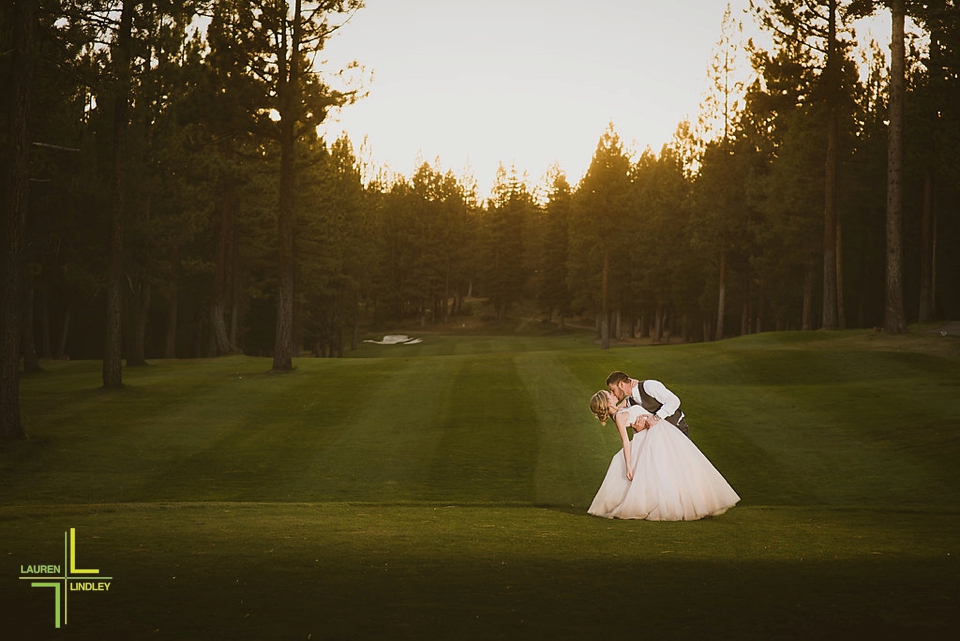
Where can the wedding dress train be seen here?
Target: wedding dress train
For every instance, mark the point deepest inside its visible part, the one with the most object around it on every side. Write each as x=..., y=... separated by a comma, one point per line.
x=672, y=480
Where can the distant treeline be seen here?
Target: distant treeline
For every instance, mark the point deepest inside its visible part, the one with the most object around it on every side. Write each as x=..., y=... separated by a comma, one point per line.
x=176, y=182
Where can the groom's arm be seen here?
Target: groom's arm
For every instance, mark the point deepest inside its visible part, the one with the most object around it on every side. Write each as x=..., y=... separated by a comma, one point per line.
x=670, y=401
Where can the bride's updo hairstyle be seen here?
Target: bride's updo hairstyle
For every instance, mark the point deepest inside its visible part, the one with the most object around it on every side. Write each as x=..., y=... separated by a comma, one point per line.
x=599, y=406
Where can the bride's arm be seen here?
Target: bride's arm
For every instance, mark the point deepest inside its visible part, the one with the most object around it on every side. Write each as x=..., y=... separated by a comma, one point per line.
x=644, y=421
x=621, y=420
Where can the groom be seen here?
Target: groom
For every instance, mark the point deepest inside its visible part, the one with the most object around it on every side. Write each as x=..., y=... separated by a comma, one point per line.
x=652, y=395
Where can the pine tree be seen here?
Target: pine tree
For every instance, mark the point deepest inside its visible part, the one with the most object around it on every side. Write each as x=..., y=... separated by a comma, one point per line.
x=819, y=26
x=15, y=209
x=893, y=321
x=504, y=226
x=602, y=241
x=553, y=293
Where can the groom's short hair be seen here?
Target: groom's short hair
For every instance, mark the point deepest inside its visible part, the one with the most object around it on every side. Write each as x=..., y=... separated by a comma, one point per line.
x=617, y=377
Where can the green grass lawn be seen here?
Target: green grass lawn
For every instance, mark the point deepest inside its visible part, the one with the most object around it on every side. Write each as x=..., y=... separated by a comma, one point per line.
x=439, y=490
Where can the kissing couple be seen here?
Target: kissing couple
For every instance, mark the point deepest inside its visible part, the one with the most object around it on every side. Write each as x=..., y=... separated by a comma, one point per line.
x=659, y=474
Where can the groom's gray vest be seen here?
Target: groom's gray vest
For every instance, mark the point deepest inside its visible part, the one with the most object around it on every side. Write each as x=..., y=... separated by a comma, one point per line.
x=652, y=405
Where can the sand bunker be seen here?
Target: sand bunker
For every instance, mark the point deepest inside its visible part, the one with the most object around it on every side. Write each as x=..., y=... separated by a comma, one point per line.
x=396, y=339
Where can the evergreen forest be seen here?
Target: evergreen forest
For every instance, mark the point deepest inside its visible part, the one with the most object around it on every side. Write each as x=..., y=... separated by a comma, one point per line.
x=165, y=192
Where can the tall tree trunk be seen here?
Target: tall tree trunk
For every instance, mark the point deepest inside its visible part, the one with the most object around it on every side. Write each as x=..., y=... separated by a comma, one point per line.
x=235, y=289
x=61, y=352
x=722, y=296
x=893, y=321
x=11, y=305
x=745, y=309
x=933, y=268
x=141, y=312
x=806, y=322
x=760, y=310
x=170, y=346
x=218, y=299
x=928, y=242
x=604, y=311
x=925, y=314
x=282, y=352
x=841, y=313
x=234, y=324
x=832, y=72
x=446, y=290
x=113, y=344
x=28, y=343
x=289, y=106
x=658, y=323
x=46, y=351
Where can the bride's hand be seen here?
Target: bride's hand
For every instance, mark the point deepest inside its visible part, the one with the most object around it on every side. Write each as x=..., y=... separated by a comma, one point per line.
x=629, y=475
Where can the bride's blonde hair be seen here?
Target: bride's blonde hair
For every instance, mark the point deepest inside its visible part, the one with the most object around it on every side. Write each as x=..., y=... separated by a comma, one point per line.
x=600, y=407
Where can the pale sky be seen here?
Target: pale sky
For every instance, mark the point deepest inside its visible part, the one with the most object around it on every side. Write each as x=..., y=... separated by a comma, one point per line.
x=466, y=85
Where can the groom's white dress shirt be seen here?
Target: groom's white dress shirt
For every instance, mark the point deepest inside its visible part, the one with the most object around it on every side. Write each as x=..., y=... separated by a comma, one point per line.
x=656, y=389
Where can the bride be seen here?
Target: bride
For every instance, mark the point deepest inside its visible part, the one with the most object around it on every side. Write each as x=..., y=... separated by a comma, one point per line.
x=660, y=475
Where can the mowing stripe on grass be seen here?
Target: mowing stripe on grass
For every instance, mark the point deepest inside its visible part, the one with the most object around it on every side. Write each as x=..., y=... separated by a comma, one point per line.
x=839, y=437
x=417, y=471
x=793, y=426
x=489, y=437
x=574, y=449
x=383, y=452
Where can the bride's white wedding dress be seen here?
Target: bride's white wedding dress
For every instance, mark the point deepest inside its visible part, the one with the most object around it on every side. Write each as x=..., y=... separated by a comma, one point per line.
x=672, y=479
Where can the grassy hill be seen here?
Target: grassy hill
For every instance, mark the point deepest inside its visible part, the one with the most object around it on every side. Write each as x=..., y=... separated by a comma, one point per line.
x=439, y=490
